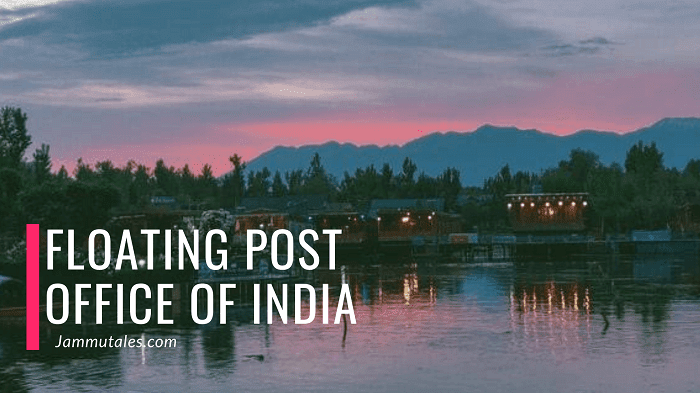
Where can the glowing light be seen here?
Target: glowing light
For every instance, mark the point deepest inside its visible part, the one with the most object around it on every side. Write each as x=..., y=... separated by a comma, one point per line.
x=379, y=218
x=563, y=304
x=405, y=219
x=585, y=203
x=561, y=203
x=406, y=290
x=532, y=204
x=510, y=205
x=522, y=205
x=547, y=204
x=573, y=203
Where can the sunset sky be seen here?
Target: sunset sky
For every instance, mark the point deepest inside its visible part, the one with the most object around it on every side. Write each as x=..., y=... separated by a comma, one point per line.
x=196, y=81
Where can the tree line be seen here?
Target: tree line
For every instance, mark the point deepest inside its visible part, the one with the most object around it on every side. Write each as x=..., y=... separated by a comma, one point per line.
x=641, y=194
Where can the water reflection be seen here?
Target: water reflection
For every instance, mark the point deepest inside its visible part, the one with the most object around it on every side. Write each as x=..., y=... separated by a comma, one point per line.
x=422, y=325
x=218, y=347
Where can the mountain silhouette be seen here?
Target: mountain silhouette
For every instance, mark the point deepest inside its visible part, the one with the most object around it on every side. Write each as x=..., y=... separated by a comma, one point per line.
x=481, y=153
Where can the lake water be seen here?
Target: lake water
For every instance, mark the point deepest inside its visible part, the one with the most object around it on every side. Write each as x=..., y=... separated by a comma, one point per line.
x=608, y=325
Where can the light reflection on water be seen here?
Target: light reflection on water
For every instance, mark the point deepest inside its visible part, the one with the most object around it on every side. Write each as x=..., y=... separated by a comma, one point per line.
x=422, y=326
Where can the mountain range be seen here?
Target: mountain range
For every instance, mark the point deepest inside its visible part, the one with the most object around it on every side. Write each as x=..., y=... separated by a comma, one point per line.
x=479, y=154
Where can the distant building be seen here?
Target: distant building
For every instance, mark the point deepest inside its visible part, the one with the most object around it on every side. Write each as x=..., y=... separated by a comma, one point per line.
x=295, y=205
x=465, y=197
x=268, y=221
x=558, y=212
x=355, y=229
x=433, y=205
x=405, y=219
x=164, y=201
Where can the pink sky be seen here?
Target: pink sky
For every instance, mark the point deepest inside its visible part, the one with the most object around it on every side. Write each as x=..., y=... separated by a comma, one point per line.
x=567, y=104
x=242, y=81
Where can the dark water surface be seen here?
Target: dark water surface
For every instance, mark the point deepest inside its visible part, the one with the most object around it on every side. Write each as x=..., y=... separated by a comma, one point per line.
x=622, y=325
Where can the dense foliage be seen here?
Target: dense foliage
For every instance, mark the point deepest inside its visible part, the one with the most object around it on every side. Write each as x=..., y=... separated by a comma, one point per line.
x=642, y=194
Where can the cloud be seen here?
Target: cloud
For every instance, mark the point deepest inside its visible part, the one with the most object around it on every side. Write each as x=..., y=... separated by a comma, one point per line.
x=364, y=55
x=120, y=95
x=15, y=5
x=116, y=28
x=589, y=46
x=159, y=70
x=6, y=20
x=596, y=41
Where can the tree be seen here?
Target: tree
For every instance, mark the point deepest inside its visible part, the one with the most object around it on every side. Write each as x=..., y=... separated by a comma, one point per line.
x=234, y=182
x=386, y=181
x=83, y=171
x=62, y=173
x=259, y=183
x=644, y=159
x=89, y=205
x=187, y=181
x=580, y=167
x=278, y=187
x=166, y=178
x=693, y=168
x=295, y=180
x=42, y=163
x=449, y=186
x=139, y=188
x=10, y=184
x=501, y=184
x=14, y=139
x=406, y=180
x=317, y=182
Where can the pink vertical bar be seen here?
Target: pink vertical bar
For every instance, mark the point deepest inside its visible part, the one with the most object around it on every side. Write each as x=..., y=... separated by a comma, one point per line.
x=32, y=287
